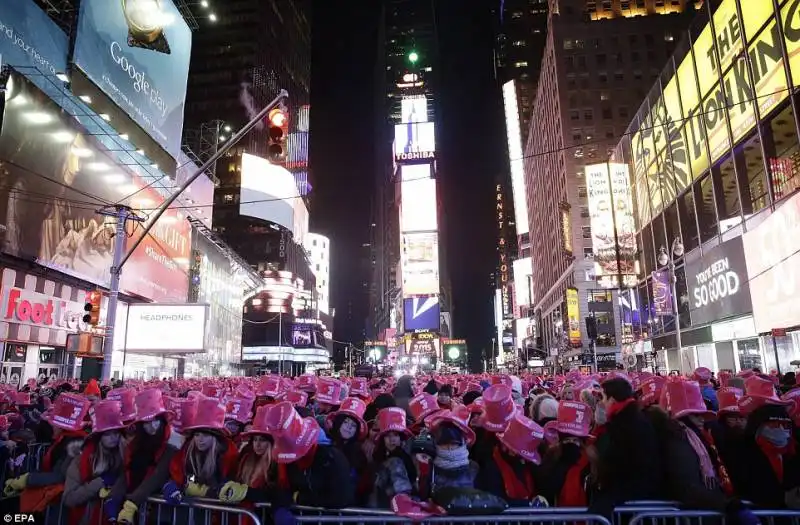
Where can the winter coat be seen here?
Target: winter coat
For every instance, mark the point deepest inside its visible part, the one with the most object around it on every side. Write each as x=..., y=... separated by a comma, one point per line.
x=731, y=448
x=391, y=479
x=629, y=464
x=710, y=396
x=557, y=468
x=433, y=478
x=82, y=489
x=761, y=486
x=157, y=472
x=321, y=480
x=684, y=478
x=491, y=479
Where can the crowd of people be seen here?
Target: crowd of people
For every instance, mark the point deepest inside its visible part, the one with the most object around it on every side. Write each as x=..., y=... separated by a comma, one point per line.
x=419, y=446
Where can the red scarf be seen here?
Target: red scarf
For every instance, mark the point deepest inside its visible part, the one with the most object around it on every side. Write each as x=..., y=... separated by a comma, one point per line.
x=617, y=407
x=131, y=450
x=86, y=471
x=722, y=471
x=775, y=455
x=573, y=493
x=515, y=488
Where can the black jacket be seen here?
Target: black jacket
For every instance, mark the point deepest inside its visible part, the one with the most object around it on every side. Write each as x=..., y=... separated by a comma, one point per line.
x=491, y=480
x=761, y=486
x=630, y=466
x=327, y=483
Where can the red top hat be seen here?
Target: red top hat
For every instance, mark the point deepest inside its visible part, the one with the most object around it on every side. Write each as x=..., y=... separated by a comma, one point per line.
x=476, y=406
x=68, y=412
x=210, y=390
x=651, y=390
x=422, y=405
x=107, y=416
x=683, y=398
x=359, y=387
x=354, y=408
x=458, y=416
x=724, y=377
x=4, y=424
x=22, y=399
x=239, y=409
x=150, y=404
x=392, y=419
x=498, y=408
x=269, y=386
x=127, y=399
x=728, y=398
x=501, y=380
x=523, y=436
x=295, y=397
x=759, y=392
x=210, y=416
x=259, y=426
x=185, y=410
x=416, y=511
x=551, y=432
x=307, y=383
x=574, y=418
x=329, y=391
x=294, y=435
x=702, y=375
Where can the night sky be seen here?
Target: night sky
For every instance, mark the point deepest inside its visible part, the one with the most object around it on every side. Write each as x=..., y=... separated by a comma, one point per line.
x=471, y=154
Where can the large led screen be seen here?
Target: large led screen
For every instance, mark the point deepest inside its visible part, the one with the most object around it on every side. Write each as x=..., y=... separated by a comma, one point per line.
x=269, y=192
x=420, y=264
x=514, y=138
x=29, y=38
x=418, y=208
x=138, y=52
x=415, y=171
x=421, y=313
x=414, y=109
x=414, y=141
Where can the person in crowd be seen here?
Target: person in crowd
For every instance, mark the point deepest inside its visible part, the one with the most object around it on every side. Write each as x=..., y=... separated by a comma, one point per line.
x=497, y=409
x=147, y=457
x=395, y=472
x=347, y=430
x=431, y=387
x=205, y=465
x=239, y=412
x=309, y=466
x=628, y=464
x=402, y=394
x=451, y=466
x=703, y=376
x=566, y=471
x=445, y=397
x=543, y=409
x=94, y=472
x=92, y=391
x=256, y=465
x=728, y=434
x=328, y=398
x=380, y=402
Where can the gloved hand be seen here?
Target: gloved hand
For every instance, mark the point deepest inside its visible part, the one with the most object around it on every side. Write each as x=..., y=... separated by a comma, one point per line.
x=111, y=508
x=283, y=516
x=195, y=490
x=232, y=492
x=171, y=492
x=104, y=493
x=109, y=479
x=126, y=515
x=15, y=485
x=540, y=502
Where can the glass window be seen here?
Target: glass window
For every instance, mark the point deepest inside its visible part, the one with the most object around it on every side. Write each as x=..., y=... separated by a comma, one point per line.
x=683, y=296
x=752, y=180
x=587, y=232
x=588, y=114
x=659, y=237
x=749, y=354
x=691, y=239
x=574, y=115
x=728, y=204
x=600, y=296
x=706, y=215
x=783, y=153
x=647, y=249
x=671, y=222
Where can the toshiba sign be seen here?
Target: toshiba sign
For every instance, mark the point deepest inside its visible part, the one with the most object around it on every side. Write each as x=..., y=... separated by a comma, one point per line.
x=166, y=328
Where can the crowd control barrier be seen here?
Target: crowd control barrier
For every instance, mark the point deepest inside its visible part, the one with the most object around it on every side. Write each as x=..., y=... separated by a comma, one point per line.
x=701, y=517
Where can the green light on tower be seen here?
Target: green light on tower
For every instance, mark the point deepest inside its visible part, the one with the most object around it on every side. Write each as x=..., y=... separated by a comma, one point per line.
x=413, y=57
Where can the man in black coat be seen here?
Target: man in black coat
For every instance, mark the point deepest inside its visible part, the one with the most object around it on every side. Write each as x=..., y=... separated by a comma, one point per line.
x=629, y=463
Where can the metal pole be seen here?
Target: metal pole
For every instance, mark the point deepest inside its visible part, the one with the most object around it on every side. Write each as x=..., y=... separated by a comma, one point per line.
x=775, y=350
x=121, y=257
x=675, y=297
x=280, y=343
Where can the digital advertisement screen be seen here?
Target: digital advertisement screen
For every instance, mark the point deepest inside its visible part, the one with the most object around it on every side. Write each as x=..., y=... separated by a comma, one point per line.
x=414, y=109
x=421, y=313
x=414, y=141
x=302, y=337
x=420, y=264
x=418, y=208
x=514, y=138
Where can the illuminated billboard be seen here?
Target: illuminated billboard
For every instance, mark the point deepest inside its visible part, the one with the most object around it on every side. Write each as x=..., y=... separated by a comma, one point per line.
x=269, y=192
x=414, y=141
x=523, y=270
x=679, y=135
x=573, y=317
x=418, y=206
x=414, y=109
x=420, y=264
x=612, y=222
x=514, y=138
x=421, y=313
x=415, y=171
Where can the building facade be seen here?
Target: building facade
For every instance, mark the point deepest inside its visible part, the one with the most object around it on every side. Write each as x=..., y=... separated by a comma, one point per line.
x=712, y=154
x=589, y=74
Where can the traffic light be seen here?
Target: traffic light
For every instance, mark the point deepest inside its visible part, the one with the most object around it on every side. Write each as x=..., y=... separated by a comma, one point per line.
x=278, y=122
x=92, y=307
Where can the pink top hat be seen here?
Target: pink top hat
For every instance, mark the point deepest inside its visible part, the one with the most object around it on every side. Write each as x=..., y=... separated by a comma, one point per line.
x=210, y=416
x=22, y=399
x=239, y=409
x=359, y=387
x=107, y=416
x=574, y=418
x=702, y=375
x=295, y=397
x=683, y=398
x=458, y=416
x=354, y=408
x=259, y=426
x=269, y=386
x=392, y=419
x=329, y=391
x=759, y=392
x=127, y=399
x=422, y=405
x=523, y=436
x=185, y=410
x=294, y=435
x=728, y=398
x=306, y=383
x=651, y=390
x=68, y=412
x=551, y=432
x=498, y=408
x=150, y=404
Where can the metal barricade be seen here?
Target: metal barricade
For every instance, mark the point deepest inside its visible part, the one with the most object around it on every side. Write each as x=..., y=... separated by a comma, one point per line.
x=194, y=512
x=704, y=517
x=622, y=514
x=22, y=459
x=535, y=517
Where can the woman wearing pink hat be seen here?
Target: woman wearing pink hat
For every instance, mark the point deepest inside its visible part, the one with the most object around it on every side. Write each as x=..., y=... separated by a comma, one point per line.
x=347, y=430
x=147, y=456
x=92, y=474
x=395, y=472
x=256, y=465
x=452, y=437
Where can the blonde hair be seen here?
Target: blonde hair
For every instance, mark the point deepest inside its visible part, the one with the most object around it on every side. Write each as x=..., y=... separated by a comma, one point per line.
x=106, y=460
x=203, y=465
x=253, y=468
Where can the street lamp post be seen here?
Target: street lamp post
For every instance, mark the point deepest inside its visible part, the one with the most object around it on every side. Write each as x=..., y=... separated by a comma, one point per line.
x=668, y=259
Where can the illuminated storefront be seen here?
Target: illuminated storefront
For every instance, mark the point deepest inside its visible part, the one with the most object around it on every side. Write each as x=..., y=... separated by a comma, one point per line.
x=711, y=150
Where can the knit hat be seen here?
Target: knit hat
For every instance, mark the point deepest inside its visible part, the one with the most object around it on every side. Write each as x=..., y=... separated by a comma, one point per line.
x=92, y=388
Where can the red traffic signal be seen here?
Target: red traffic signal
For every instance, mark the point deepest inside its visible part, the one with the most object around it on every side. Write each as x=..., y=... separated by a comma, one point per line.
x=92, y=307
x=278, y=122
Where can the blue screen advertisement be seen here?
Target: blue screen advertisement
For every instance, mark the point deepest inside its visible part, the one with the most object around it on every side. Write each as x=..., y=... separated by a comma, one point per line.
x=137, y=52
x=28, y=38
x=421, y=313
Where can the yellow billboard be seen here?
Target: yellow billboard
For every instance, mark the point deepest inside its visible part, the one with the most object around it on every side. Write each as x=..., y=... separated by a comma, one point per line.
x=573, y=317
x=699, y=116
